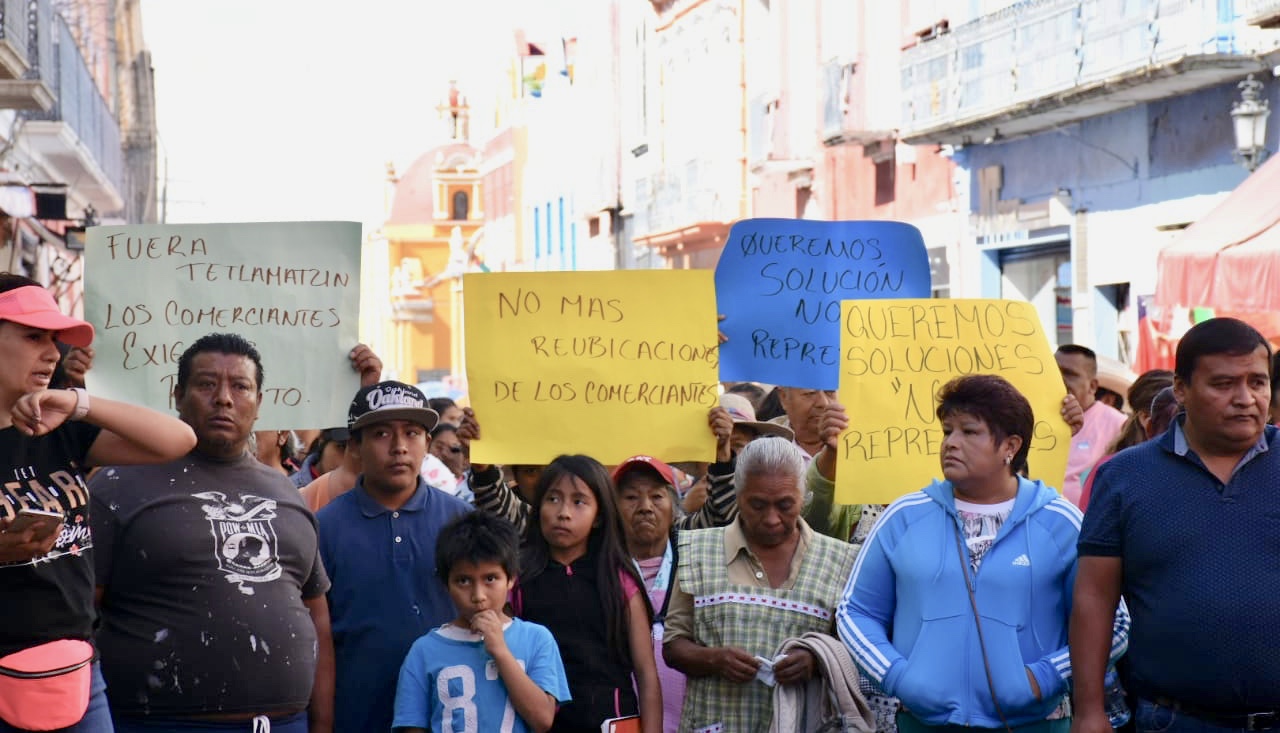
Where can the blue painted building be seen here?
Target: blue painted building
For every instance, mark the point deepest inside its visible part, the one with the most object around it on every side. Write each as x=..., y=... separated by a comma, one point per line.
x=1086, y=133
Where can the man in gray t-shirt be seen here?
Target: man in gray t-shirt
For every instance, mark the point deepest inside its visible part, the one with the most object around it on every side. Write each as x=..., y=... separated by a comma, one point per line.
x=208, y=567
x=210, y=582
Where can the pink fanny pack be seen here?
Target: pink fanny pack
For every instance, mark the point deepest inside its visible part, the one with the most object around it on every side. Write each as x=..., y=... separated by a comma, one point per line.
x=46, y=687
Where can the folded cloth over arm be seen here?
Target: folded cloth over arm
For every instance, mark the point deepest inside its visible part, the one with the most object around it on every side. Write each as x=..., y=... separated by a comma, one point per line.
x=830, y=700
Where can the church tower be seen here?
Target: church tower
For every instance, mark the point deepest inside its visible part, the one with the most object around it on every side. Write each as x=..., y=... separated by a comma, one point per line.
x=432, y=232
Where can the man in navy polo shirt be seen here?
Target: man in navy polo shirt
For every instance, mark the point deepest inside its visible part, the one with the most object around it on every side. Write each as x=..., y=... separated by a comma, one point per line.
x=378, y=545
x=1187, y=527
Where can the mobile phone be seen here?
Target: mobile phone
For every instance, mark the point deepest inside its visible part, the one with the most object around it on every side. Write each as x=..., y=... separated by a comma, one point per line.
x=45, y=521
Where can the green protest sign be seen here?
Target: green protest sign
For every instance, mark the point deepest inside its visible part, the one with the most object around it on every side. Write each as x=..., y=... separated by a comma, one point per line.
x=293, y=289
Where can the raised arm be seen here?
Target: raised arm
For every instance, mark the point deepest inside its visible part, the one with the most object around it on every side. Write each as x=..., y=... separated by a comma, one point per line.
x=130, y=433
x=77, y=362
x=492, y=493
x=534, y=705
x=822, y=513
x=367, y=363
x=721, y=505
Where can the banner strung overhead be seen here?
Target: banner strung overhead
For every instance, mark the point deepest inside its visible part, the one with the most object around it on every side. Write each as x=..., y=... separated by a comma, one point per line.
x=609, y=364
x=897, y=354
x=293, y=289
x=779, y=284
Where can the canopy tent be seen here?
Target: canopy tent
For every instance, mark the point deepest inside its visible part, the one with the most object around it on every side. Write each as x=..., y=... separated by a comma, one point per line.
x=1227, y=262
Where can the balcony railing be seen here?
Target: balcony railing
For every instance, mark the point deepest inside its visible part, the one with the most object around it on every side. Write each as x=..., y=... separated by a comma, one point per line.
x=681, y=196
x=78, y=103
x=1016, y=62
x=25, y=48
x=13, y=38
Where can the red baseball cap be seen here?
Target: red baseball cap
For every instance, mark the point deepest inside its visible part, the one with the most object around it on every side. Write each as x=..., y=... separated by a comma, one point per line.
x=33, y=306
x=637, y=462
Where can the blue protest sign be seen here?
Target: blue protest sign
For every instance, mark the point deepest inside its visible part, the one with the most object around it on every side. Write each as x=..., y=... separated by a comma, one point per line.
x=779, y=283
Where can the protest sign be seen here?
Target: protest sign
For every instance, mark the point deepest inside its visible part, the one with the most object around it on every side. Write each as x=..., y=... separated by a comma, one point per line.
x=610, y=364
x=897, y=354
x=293, y=289
x=779, y=283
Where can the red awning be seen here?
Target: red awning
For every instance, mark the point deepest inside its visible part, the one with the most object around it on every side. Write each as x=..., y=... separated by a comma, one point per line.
x=1230, y=259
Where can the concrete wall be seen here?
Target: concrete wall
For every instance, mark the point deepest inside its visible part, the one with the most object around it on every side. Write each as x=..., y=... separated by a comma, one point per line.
x=1128, y=180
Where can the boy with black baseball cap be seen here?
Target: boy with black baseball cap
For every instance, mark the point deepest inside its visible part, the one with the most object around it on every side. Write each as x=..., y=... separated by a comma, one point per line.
x=378, y=543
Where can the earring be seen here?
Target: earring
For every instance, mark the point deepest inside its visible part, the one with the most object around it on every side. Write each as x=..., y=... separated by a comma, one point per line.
x=1008, y=460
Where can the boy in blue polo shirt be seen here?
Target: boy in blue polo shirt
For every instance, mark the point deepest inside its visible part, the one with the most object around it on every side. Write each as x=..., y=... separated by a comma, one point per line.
x=483, y=670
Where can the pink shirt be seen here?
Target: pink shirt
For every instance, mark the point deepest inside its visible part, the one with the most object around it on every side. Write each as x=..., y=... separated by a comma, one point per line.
x=1102, y=424
x=670, y=680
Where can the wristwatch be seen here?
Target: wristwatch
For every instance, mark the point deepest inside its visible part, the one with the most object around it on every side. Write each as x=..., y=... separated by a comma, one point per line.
x=82, y=403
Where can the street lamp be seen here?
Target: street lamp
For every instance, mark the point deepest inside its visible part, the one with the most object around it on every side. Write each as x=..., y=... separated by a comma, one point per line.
x=1249, y=116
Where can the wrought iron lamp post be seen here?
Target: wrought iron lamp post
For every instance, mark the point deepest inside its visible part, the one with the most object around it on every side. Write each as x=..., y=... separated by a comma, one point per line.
x=1249, y=117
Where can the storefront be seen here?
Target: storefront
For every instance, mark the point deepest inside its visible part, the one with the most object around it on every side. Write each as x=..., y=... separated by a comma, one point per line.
x=1034, y=266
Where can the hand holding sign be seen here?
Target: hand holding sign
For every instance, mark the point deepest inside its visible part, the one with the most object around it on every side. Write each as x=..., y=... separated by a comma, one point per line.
x=779, y=284
x=76, y=363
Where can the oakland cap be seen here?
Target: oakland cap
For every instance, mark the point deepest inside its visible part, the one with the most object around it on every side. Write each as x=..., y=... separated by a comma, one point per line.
x=390, y=400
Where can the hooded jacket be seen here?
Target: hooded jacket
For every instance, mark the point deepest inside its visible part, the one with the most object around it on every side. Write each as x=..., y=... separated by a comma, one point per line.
x=908, y=622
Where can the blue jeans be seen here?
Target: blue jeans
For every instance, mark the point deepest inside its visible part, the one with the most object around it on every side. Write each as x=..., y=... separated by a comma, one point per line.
x=97, y=718
x=291, y=724
x=1149, y=717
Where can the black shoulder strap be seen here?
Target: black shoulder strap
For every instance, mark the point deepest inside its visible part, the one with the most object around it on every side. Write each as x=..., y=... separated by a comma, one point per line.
x=660, y=614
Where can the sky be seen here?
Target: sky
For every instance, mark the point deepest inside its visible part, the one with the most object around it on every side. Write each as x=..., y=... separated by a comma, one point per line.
x=289, y=110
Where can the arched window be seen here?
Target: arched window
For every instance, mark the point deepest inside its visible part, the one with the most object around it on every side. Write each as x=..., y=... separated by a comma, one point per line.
x=461, y=206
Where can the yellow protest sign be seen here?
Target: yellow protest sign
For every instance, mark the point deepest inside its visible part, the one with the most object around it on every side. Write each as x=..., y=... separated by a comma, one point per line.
x=610, y=364
x=896, y=354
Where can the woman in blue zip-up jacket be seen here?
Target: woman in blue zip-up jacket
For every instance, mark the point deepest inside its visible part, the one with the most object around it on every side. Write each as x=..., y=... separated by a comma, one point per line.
x=959, y=602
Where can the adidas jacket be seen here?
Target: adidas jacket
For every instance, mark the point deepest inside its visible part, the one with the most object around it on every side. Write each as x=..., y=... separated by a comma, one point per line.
x=907, y=620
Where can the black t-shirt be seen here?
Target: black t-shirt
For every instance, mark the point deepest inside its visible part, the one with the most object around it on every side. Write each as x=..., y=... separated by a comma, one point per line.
x=51, y=597
x=205, y=564
x=566, y=599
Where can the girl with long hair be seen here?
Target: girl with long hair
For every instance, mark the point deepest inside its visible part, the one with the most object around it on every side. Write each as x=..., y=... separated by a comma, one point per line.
x=577, y=580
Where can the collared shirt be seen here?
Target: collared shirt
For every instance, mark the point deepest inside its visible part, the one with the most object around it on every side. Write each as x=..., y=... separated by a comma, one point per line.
x=743, y=568
x=1181, y=447
x=385, y=593
x=1102, y=423
x=1194, y=547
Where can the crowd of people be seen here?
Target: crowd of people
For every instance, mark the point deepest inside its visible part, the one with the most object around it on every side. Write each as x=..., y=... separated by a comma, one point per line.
x=190, y=573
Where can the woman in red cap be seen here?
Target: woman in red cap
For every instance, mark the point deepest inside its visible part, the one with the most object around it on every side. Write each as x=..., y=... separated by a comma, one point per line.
x=48, y=438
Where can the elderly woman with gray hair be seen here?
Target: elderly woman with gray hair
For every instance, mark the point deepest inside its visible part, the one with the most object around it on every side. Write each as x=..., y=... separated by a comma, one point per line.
x=650, y=506
x=741, y=590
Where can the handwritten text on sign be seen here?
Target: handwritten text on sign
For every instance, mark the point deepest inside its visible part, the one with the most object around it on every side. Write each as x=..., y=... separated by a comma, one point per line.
x=609, y=364
x=899, y=353
x=779, y=284
x=293, y=289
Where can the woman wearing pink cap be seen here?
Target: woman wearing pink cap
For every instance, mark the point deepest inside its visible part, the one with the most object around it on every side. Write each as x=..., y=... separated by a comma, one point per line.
x=48, y=437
